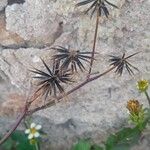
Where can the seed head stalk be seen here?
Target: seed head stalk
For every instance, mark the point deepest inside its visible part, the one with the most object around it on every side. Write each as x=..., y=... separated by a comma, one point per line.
x=94, y=43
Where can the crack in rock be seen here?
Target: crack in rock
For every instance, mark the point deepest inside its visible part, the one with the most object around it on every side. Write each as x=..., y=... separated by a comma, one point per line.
x=11, y=2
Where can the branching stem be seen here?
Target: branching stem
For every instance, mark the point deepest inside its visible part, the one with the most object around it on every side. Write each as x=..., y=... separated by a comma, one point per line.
x=18, y=121
x=20, y=118
x=26, y=110
x=51, y=103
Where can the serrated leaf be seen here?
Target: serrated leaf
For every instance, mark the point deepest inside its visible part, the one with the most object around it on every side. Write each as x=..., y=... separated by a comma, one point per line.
x=123, y=139
x=146, y=119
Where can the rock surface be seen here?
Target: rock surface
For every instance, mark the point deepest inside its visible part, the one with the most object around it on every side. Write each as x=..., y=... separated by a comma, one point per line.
x=100, y=106
x=3, y=4
x=7, y=38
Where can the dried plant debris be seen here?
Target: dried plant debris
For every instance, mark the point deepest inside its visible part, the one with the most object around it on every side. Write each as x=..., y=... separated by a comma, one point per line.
x=97, y=5
x=122, y=62
x=50, y=82
x=71, y=59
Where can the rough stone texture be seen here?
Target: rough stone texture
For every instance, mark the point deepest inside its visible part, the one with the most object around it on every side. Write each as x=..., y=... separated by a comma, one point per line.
x=34, y=21
x=3, y=3
x=7, y=38
x=99, y=107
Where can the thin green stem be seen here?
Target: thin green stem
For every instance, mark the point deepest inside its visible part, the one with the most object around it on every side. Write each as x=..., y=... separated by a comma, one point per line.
x=37, y=146
x=147, y=96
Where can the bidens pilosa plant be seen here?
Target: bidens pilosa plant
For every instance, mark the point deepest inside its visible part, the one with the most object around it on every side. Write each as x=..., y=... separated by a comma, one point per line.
x=126, y=137
x=53, y=80
x=136, y=112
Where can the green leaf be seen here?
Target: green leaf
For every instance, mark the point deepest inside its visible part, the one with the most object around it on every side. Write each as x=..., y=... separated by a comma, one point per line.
x=82, y=145
x=147, y=114
x=146, y=119
x=123, y=139
x=17, y=141
x=7, y=145
x=21, y=141
x=96, y=147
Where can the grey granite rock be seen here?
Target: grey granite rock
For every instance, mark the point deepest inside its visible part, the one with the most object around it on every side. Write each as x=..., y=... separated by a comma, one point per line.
x=9, y=39
x=3, y=4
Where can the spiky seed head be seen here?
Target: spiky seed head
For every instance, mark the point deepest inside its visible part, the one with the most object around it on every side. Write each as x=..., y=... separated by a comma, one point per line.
x=50, y=81
x=97, y=5
x=121, y=63
x=71, y=59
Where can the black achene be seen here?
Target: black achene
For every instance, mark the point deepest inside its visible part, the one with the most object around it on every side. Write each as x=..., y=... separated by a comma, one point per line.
x=50, y=82
x=71, y=59
x=122, y=62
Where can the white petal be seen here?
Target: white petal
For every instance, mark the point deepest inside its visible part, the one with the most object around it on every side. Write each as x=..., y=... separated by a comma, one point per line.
x=38, y=127
x=30, y=136
x=32, y=125
x=27, y=131
x=36, y=134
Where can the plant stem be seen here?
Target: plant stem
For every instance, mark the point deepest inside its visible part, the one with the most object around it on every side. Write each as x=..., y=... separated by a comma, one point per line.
x=8, y=134
x=37, y=146
x=52, y=102
x=94, y=43
x=20, y=118
x=147, y=96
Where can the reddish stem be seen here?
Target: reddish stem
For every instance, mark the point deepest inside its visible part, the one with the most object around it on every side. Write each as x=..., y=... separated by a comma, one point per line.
x=94, y=44
x=18, y=121
x=51, y=103
x=26, y=112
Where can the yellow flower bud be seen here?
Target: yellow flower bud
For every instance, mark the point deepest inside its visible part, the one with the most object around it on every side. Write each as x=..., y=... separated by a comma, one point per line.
x=142, y=85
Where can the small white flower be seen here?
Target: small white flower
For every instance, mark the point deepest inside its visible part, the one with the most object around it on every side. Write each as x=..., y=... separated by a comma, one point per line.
x=33, y=131
x=32, y=125
x=27, y=131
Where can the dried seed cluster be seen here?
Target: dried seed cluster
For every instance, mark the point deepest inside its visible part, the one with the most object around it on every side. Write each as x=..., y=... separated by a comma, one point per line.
x=71, y=59
x=51, y=81
x=122, y=62
x=97, y=5
x=68, y=61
